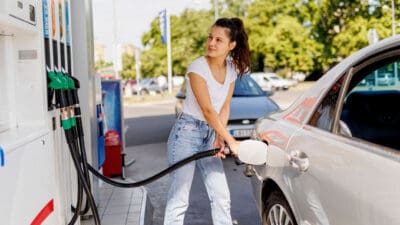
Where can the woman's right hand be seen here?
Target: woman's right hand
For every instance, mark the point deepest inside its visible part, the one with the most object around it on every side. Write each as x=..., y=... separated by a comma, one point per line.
x=233, y=147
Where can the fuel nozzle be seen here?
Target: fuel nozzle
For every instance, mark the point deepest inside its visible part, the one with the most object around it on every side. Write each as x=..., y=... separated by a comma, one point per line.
x=76, y=106
x=55, y=84
x=61, y=84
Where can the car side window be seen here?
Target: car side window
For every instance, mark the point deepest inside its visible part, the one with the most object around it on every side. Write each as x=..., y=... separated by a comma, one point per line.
x=324, y=115
x=371, y=107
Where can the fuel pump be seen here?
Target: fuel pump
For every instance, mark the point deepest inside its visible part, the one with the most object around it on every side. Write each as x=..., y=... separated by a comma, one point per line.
x=65, y=86
x=41, y=117
x=27, y=174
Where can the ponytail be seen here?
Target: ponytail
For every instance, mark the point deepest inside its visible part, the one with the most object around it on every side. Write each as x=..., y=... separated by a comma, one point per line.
x=241, y=53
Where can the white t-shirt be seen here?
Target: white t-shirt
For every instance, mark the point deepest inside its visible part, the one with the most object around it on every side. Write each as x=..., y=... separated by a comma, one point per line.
x=217, y=91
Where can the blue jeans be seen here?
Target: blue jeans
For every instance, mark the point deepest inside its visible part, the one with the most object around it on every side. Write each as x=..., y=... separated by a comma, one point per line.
x=190, y=136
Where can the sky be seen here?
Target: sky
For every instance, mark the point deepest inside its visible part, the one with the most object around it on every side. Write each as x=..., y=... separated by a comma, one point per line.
x=133, y=18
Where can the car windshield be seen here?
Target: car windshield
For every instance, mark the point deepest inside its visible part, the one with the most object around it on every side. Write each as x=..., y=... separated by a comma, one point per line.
x=247, y=87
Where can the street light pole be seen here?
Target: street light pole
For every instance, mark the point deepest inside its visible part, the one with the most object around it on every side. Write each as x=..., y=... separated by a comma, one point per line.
x=115, y=42
x=395, y=66
x=169, y=57
x=137, y=64
x=216, y=10
x=393, y=20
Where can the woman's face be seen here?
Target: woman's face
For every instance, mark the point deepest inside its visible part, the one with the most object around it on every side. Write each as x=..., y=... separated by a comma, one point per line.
x=218, y=42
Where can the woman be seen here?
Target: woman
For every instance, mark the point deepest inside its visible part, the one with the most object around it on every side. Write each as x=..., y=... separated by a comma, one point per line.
x=202, y=123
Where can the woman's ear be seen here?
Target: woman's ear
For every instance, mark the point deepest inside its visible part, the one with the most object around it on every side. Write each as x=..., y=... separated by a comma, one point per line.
x=232, y=45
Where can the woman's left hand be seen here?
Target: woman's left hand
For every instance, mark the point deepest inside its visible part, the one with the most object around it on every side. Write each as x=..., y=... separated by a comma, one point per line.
x=219, y=144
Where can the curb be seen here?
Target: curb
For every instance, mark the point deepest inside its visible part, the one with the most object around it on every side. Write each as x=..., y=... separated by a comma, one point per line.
x=146, y=212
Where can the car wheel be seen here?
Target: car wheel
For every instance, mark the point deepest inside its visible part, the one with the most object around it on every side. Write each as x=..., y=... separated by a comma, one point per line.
x=277, y=211
x=144, y=92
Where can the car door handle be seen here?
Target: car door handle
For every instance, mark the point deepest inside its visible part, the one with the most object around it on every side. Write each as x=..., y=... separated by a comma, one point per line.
x=299, y=160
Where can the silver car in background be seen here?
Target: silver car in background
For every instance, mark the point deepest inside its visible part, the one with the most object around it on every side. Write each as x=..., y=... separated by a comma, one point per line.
x=334, y=155
x=147, y=86
x=271, y=81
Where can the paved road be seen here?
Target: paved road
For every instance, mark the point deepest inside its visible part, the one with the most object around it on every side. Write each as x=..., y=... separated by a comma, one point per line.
x=151, y=159
x=148, y=128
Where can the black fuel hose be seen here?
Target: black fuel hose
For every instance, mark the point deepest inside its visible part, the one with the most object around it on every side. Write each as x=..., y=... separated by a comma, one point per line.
x=175, y=166
x=79, y=200
x=85, y=172
x=73, y=147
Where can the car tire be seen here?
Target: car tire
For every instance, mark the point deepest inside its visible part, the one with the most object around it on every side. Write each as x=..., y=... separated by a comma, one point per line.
x=144, y=92
x=277, y=210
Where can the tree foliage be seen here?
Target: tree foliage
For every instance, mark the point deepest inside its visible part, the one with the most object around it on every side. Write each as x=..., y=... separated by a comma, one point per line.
x=284, y=35
x=128, y=66
x=277, y=32
x=101, y=64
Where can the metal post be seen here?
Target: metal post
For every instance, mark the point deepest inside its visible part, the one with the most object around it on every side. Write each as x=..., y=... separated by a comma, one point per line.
x=137, y=64
x=169, y=54
x=115, y=45
x=393, y=20
x=396, y=75
x=216, y=10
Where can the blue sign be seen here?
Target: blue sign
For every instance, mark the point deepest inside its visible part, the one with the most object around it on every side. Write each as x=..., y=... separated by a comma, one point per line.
x=163, y=25
x=1, y=157
x=45, y=7
x=101, y=156
x=67, y=27
x=112, y=100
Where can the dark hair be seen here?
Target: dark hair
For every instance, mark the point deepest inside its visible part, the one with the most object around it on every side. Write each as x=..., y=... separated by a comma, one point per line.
x=241, y=53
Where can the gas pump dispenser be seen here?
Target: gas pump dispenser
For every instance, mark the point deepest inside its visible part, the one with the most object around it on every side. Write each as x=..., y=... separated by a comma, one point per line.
x=27, y=190
x=38, y=115
x=44, y=64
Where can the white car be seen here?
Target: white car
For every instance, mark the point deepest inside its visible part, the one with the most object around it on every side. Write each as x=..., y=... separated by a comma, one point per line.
x=272, y=81
x=299, y=76
x=334, y=155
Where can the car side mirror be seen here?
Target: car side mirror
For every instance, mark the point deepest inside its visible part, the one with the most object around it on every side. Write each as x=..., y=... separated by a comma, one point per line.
x=253, y=152
x=180, y=95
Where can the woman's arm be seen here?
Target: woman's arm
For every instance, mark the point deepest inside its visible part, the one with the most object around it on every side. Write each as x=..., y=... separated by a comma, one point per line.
x=225, y=111
x=200, y=91
x=224, y=116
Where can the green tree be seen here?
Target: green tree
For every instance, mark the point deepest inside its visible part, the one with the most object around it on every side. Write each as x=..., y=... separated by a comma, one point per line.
x=342, y=26
x=128, y=66
x=189, y=33
x=332, y=18
x=101, y=64
x=189, y=36
x=279, y=37
x=355, y=36
x=284, y=35
x=232, y=8
x=154, y=58
x=289, y=47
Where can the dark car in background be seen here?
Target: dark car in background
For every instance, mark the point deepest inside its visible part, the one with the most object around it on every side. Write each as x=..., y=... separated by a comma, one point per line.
x=249, y=102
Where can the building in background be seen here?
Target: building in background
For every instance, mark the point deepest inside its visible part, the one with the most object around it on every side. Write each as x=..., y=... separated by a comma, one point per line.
x=128, y=49
x=99, y=52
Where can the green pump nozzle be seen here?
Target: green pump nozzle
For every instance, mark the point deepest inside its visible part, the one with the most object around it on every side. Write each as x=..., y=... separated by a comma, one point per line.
x=55, y=82
x=59, y=83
